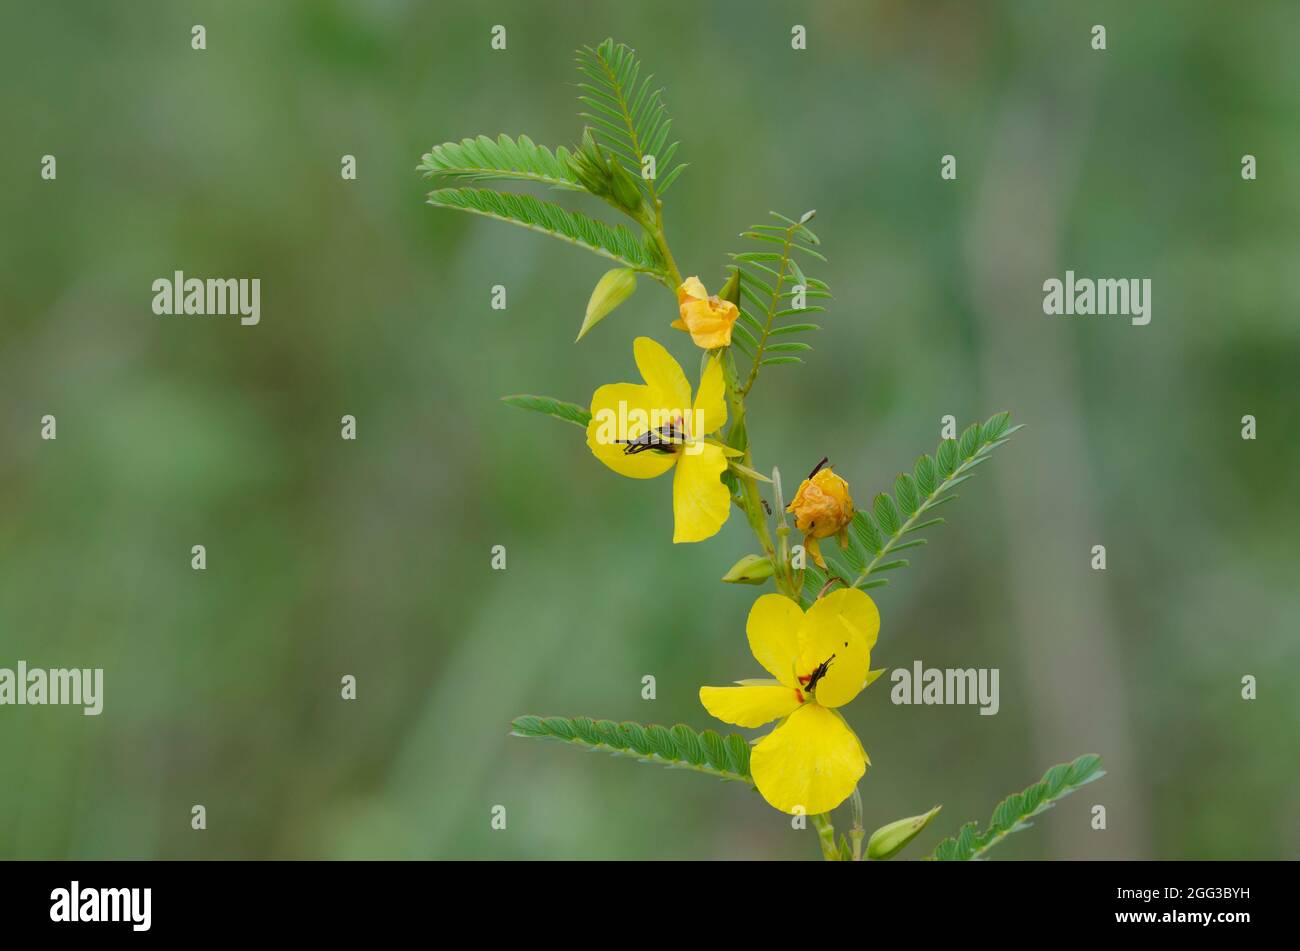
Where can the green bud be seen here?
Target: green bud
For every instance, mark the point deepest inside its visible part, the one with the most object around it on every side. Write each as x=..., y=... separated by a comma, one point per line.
x=611, y=290
x=603, y=175
x=625, y=188
x=752, y=569
x=888, y=841
x=586, y=169
x=588, y=163
x=731, y=290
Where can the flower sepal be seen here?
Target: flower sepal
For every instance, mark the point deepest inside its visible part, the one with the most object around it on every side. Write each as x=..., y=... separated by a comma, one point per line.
x=729, y=451
x=744, y=470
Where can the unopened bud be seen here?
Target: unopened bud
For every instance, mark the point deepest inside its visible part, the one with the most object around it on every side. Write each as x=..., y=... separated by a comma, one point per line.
x=752, y=569
x=889, y=840
x=731, y=290
x=612, y=289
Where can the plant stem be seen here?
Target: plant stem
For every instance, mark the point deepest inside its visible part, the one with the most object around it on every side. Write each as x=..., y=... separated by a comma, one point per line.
x=783, y=530
x=749, y=499
x=662, y=242
x=858, y=832
x=826, y=835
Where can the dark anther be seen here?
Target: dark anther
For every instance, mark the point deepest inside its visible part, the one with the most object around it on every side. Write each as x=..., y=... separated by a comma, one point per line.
x=820, y=672
x=818, y=468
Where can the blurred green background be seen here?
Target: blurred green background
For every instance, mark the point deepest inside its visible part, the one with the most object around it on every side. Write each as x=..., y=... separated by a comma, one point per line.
x=371, y=558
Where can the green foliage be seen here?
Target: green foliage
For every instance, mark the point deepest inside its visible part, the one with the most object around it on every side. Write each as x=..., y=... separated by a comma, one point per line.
x=769, y=277
x=629, y=122
x=570, y=412
x=627, y=113
x=726, y=757
x=482, y=159
x=612, y=241
x=813, y=580
x=891, y=525
x=1013, y=813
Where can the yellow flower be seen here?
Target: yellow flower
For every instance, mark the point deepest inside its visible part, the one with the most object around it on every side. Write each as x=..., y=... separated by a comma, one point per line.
x=708, y=319
x=641, y=430
x=822, y=507
x=821, y=660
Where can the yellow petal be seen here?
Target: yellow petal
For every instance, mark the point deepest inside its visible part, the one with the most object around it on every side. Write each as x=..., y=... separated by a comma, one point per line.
x=809, y=763
x=709, y=322
x=690, y=288
x=635, y=405
x=749, y=705
x=840, y=628
x=710, y=401
x=865, y=758
x=701, y=502
x=663, y=375
x=773, y=632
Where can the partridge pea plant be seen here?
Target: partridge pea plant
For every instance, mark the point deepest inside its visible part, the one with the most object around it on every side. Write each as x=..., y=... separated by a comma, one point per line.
x=814, y=632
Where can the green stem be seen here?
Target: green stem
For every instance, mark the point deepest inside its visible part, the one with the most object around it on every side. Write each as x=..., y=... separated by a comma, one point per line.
x=661, y=241
x=858, y=832
x=749, y=500
x=783, y=531
x=826, y=836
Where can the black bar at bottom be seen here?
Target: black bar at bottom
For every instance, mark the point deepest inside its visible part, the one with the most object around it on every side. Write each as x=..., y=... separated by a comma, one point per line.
x=916, y=900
